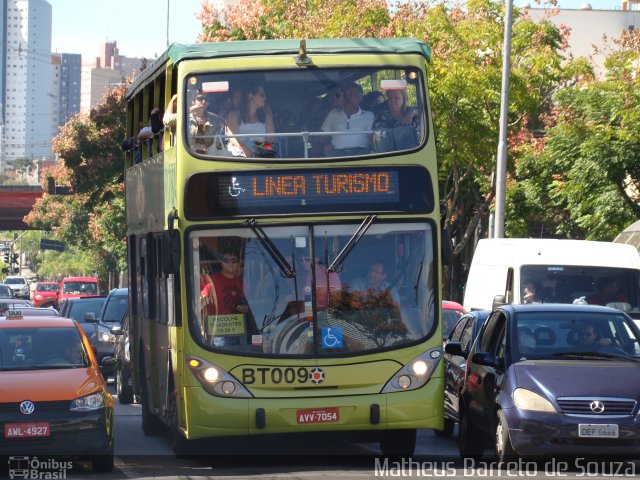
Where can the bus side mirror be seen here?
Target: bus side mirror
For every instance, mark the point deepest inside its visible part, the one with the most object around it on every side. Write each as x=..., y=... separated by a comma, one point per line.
x=171, y=252
x=447, y=250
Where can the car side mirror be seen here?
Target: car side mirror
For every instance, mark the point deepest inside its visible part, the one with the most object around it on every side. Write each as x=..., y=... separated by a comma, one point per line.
x=117, y=330
x=90, y=317
x=455, y=348
x=488, y=360
x=499, y=300
x=109, y=361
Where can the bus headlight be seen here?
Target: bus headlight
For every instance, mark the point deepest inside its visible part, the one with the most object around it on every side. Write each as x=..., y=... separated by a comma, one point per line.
x=210, y=374
x=415, y=373
x=215, y=380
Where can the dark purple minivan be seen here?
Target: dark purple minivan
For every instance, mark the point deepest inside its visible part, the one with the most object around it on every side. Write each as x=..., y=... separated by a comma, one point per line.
x=552, y=380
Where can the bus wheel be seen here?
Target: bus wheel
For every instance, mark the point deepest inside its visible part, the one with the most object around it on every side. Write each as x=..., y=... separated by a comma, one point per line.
x=151, y=425
x=398, y=443
x=447, y=431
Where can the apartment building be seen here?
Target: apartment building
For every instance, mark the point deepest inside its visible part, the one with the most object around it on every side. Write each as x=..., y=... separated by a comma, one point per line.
x=27, y=107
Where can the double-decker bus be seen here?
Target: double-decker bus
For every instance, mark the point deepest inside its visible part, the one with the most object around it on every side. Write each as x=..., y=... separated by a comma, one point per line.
x=284, y=242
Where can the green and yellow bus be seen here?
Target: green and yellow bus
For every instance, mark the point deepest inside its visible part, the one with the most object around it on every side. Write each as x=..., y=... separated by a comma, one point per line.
x=284, y=241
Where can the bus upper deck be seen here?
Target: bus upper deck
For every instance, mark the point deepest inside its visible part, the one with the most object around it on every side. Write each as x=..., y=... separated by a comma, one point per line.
x=346, y=98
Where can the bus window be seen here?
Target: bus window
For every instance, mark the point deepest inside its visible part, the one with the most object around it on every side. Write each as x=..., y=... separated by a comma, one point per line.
x=244, y=302
x=306, y=115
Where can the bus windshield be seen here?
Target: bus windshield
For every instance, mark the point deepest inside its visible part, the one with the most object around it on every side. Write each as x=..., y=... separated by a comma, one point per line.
x=310, y=113
x=382, y=295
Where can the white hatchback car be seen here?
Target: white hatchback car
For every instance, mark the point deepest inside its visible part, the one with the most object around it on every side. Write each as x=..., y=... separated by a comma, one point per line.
x=19, y=286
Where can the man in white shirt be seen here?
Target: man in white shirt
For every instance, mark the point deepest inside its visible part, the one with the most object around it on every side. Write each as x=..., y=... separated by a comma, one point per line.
x=350, y=118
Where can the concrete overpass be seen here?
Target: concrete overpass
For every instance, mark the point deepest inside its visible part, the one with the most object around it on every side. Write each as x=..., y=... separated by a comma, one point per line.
x=16, y=202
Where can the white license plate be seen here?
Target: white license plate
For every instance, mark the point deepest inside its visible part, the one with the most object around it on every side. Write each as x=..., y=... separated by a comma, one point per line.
x=598, y=430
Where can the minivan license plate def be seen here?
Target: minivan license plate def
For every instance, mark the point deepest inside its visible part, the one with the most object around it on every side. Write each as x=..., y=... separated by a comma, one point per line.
x=598, y=430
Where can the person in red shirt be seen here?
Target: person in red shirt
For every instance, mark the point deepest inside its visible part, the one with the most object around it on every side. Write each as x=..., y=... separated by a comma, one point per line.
x=223, y=292
x=608, y=291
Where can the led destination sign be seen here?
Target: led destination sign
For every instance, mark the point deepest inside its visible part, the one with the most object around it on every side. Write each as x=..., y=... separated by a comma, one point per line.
x=214, y=195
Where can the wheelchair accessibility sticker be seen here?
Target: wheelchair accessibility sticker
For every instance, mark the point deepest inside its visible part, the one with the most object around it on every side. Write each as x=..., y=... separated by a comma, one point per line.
x=332, y=337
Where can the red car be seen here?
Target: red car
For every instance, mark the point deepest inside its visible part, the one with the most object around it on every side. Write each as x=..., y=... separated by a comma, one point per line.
x=71, y=287
x=451, y=313
x=46, y=294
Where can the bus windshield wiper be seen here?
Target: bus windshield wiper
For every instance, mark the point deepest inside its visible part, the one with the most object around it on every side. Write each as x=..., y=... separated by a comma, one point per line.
x=287, y=270
x=355, y=238
x=609, y=356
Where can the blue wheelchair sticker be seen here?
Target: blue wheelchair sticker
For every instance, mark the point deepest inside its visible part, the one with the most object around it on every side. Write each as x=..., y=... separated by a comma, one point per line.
x=331, y=337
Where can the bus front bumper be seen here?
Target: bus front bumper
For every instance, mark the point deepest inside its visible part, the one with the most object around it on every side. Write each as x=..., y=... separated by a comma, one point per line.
x=210, y=416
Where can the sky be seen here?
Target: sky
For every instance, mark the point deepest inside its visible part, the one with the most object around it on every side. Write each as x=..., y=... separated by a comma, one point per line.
x=140, y=26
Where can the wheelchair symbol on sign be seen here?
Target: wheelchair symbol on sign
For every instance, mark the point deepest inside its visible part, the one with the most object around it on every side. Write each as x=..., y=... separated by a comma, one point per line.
x=235, y=189
x=332, y=337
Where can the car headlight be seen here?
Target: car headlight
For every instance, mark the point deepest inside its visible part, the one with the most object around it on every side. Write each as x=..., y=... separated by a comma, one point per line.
x=107, y=337
x=215, y=380
x=528, y=400
x=415, y=373
x=87, y=403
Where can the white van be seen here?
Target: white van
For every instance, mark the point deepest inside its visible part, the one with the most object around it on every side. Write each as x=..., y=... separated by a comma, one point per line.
x=562, y=271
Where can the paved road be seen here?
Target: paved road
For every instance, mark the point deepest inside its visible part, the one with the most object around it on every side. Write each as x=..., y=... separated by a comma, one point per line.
x=288, y=457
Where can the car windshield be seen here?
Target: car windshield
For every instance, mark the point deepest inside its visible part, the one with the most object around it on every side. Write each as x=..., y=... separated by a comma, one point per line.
x=5, y=291
x=47, y=287
x=545, y=335
x=115, y=308
x=80, y=288
x=41, y=348
x=15, y=281
x=309, y=113
x=381, y=295
x=615, y=287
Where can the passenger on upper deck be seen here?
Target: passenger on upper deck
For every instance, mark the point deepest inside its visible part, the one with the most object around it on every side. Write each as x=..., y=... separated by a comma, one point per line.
x=199, y=125
x=396, y=124
x=349, y=118
x=253, y=117
x=395, y=112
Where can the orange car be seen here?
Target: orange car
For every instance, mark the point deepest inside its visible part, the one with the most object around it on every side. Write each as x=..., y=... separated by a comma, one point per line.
x=53, y=400
x=46, y=294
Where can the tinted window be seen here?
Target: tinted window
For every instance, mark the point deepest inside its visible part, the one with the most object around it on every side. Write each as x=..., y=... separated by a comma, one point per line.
x=457, y=331
x=5, y=291
x=115, y=308
x=467, y=335
x=78, y=309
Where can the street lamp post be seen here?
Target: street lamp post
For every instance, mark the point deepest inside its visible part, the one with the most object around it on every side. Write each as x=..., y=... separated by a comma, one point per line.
x=501, y=163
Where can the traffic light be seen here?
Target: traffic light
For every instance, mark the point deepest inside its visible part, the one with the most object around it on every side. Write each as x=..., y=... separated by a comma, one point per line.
x=6, y=257
x=14, y=259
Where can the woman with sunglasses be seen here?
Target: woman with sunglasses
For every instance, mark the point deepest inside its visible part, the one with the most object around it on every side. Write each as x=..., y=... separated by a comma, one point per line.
x=253, y=117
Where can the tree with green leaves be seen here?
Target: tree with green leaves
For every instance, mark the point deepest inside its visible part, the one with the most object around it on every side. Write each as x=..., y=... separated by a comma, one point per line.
x=91, y=220
x=464, y=77
x=582, y=180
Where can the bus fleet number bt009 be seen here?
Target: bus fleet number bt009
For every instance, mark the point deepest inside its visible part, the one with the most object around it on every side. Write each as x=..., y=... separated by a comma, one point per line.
x=275, y=375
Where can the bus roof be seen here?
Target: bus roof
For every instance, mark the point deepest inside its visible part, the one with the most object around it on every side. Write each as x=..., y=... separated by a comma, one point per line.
x=178, y=52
